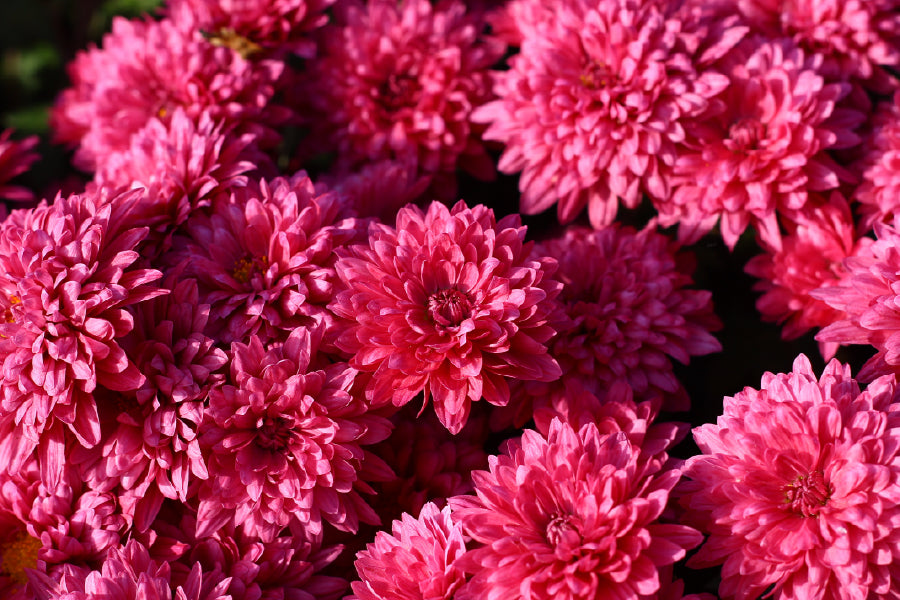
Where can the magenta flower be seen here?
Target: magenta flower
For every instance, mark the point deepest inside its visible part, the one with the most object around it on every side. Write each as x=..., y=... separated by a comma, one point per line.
x=866, y=295
x=878, y=166
x=593, y=107
x=572, y=516
x=400, y=81
x=260, y=25
x=630, y=312
x=265, y=259
x=66, y=276
x=798, y=487
x=811, y=256
x=285, y=442
x=15, y=158
x=414, y=561
x=148, y=69
x=451, y=303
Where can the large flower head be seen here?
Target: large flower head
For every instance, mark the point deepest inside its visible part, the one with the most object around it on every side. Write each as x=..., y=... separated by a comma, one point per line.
x=414, y=561
x=798, y=487
x=592, y=108
x=399, y=81
x=570, y=516
x=66, y=276
x=760, y=152
x=450, y=302
x=630, y=311
x=285, y=441
x=867, y=297
x=148, y=69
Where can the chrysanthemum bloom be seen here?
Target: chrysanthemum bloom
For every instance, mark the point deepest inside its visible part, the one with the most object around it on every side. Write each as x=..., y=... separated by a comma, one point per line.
x=183, y=165
x=592, y=108
x=378, y=189
x=798, y=488
x=399, y=81
x=66, y=276
x=450, y=302
x=256, y=26
x=868, y=298
x=856, y=38
x=129, y=572
x=286, y=442
x=763, y=148
x=18, y=548
x=570, y=516
x=811, y=256
x=630, y=311
x=264, y=259
x=15, y=158
x=150, y=68
x=415, y=561
x=878, y=166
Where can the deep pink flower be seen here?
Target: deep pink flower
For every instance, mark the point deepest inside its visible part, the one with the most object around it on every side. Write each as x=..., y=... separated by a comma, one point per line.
x=811, y=256
x=286, y=442
x=254, y=26
x=148, y=69
x=265, y=258
x=66, y=276
x=592, y=108
x=414, y=561
x=399, y=81
x=451, y=303
x=798, y=488
x=15, y=158
x=868, y=298
x=572, y=516
x=18, y=548
x=762, y=149
x=630, y=311
x=878, y=166
x=856, y=38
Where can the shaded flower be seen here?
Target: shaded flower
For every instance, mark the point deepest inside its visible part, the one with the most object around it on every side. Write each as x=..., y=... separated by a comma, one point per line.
x=66, y=276
x=399, y=81
x=378, y=189
x=451, y=303
x=761, y=150
x=811, y=256
x=592, y=109
x=414, y=561
x=571, y=516
x=878, y=166
x=15, y=158
x=285, y=442
x=798, y=487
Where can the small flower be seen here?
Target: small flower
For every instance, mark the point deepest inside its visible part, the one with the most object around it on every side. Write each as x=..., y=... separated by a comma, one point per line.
x=798, y=487
x=450, y=302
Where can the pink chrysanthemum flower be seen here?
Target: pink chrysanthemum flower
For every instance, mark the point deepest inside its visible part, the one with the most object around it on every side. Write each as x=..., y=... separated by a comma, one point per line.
x=256, y=26
x=264, y=260
x=66, y=276
x=798, y=488
x=399, y=81
x=15, y=158
x=867, y=297
x=148, y=69
x=451, y=303
x=414, y=561
x=760, y=151
x=285, y=442
x=811, y=256
x=878, y=166
x=572, y=516
x=630, y=312
x=592, y=108
x=856, y=38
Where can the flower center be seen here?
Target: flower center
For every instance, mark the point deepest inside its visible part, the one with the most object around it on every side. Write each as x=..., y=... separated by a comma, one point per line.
x=449, y=307
x=597, y=75
x=562, y=532
x=18, y=555
x=9, y=312
x=273, y=433
x=745, y=134
x=245, y=268
x=229, y=38
x=807, y=494
x=399, y=90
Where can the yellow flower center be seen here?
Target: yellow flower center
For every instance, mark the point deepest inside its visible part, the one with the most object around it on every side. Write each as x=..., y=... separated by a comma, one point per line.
x=18, y=555
x=229, y=38
x=244, y=268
